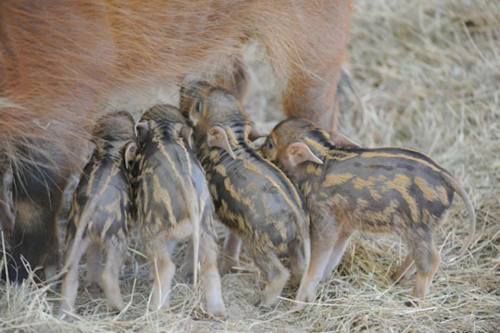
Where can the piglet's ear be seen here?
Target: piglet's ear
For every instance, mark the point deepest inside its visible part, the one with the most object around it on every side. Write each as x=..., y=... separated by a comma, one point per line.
x=187, y=135
x=342, y=141
x=253, y=133
x=141, y=130
x=299, y=152
x=130, y=154
x=217, y=137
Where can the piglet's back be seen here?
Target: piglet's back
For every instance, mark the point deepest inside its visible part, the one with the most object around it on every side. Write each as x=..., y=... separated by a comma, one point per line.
x=104, y=187
x=165, y=183
x=253, y=188
x=104, y=182
x=388, y=179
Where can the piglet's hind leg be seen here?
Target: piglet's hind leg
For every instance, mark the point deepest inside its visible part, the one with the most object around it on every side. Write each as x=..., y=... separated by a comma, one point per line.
x=324, y=235
x=164, y=270
x=426, y=269
x=277, y=275
x=337, y=253
x=231, y=253
x=297, y=261
x=211, y=277
x=70, y=282
x=94, y=267
x=110, y=282
x=426, y=256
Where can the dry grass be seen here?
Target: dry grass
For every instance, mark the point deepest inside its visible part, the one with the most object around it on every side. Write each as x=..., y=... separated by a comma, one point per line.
x=428, y=77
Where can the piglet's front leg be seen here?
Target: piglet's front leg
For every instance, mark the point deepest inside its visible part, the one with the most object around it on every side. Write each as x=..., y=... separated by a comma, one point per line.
x=325, y=233
x=231, y=253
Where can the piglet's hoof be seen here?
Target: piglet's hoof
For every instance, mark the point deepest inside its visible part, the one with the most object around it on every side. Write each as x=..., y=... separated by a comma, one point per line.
x=260, y=304
x=189, y=278
x=94, y=290
x=218, y=315
x=411, y=303
x=398, y=278
x=228, y=267
x=67, y=316
x=266, y=304
x=294, y=281
x=299, y=306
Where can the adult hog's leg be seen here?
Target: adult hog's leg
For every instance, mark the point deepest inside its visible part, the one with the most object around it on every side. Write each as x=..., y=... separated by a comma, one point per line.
x=315, y=67
x=51, y=262
x=314, y=100
x=34, y=240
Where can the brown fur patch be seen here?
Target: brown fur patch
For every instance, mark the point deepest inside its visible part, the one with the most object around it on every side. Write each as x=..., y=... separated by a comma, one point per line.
x=334, y=180
x=401, y=183
x=313, y=169
x=399, y=156
x=361, y=183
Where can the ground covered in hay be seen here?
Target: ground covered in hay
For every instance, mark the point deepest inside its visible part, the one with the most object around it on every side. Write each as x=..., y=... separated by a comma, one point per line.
x=427, y=75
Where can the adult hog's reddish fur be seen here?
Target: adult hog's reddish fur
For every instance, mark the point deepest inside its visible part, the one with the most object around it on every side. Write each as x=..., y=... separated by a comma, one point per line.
x=62, y=62
x=380, y=190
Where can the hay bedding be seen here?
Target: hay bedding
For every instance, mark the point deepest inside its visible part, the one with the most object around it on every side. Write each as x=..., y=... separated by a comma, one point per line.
x=428, y=78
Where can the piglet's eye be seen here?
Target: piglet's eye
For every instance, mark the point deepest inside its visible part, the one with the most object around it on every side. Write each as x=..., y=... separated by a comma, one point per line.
x=270, y=144
x=199, y=107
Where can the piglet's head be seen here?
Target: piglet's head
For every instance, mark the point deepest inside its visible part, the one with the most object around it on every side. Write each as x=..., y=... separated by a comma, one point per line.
x=217, y=137
x=216, y=116
x=129, y=154
x=164, y=122
x=287, y=145
x=114, y=135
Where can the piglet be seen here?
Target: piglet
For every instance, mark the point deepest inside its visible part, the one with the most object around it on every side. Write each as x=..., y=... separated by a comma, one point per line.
x=100, y=211
x=253, y=198
x=383, y=190
x=173, y=202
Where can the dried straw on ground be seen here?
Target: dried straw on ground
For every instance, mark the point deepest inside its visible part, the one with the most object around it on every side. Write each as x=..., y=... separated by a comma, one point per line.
x=428, y=78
